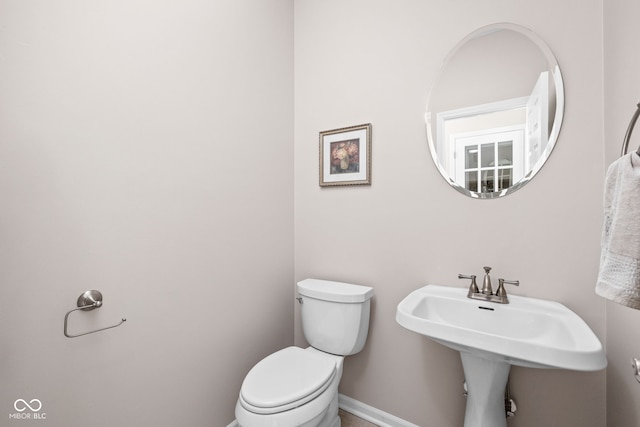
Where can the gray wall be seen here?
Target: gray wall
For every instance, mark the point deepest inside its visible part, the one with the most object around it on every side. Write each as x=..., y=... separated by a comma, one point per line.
x=145, y=151
x=360, y=61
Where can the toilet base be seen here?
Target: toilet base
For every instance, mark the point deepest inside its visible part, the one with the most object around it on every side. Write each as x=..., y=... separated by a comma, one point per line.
x=328, y=418
x=332, y=419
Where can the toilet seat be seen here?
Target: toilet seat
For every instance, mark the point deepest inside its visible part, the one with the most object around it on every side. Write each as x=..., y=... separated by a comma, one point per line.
x=285, y=380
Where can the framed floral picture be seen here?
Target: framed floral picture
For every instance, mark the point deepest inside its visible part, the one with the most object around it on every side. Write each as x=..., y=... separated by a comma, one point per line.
x=345, y=156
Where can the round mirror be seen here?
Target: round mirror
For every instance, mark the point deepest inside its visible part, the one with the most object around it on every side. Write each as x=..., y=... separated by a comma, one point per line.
x=495, y=110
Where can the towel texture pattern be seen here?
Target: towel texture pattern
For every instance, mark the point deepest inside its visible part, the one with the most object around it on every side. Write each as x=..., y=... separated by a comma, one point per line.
x=619, y=276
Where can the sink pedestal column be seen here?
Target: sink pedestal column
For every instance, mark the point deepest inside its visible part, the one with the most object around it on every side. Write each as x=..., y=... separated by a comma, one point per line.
x=486, y=382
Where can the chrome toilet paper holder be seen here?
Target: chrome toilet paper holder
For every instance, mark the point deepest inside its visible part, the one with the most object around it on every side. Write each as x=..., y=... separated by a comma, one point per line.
x=88, y=301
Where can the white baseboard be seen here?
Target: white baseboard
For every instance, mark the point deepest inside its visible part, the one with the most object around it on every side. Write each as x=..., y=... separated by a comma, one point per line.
x=371, y=414
x=366, y=412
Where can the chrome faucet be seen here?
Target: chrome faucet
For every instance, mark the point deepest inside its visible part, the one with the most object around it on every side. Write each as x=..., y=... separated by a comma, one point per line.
x=500, y=296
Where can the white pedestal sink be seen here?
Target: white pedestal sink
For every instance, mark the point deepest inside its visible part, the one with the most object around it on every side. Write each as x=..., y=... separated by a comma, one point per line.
x=491, y=337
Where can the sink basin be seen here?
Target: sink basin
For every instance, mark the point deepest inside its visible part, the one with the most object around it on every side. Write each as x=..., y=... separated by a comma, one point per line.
x=526, y=332
x=491, y=337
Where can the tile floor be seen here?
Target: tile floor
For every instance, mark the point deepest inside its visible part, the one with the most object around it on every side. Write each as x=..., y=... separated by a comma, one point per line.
x=350, y=420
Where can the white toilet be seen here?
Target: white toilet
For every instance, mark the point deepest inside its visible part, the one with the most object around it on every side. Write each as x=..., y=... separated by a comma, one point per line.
x=297, y=387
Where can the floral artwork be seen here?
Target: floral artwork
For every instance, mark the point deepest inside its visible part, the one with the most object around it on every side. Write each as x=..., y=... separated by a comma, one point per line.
x=345, y=156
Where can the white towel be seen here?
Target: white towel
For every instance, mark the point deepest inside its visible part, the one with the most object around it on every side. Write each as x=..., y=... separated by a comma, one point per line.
x=619, y=276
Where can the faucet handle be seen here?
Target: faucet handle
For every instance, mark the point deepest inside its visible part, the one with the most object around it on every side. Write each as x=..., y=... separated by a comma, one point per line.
x=473, y=287
x=486, y=282
x=502, y=292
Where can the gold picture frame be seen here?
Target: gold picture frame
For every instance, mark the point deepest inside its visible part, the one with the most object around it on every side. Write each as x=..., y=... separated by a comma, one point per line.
x=345, y=156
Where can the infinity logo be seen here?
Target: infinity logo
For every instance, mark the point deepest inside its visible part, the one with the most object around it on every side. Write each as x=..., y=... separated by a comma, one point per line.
x=26, y=405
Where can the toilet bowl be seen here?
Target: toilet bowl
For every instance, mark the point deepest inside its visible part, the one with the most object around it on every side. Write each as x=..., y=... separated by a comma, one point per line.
x=291, y=387
x=296, y=387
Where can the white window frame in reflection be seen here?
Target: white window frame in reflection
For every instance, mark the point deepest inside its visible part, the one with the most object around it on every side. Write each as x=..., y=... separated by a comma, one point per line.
x=514, y=135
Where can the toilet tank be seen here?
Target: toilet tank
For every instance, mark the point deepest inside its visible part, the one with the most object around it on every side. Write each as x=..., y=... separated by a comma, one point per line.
x=335, y=315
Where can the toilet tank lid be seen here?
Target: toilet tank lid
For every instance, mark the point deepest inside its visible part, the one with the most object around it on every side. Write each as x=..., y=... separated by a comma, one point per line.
x=334, y=291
